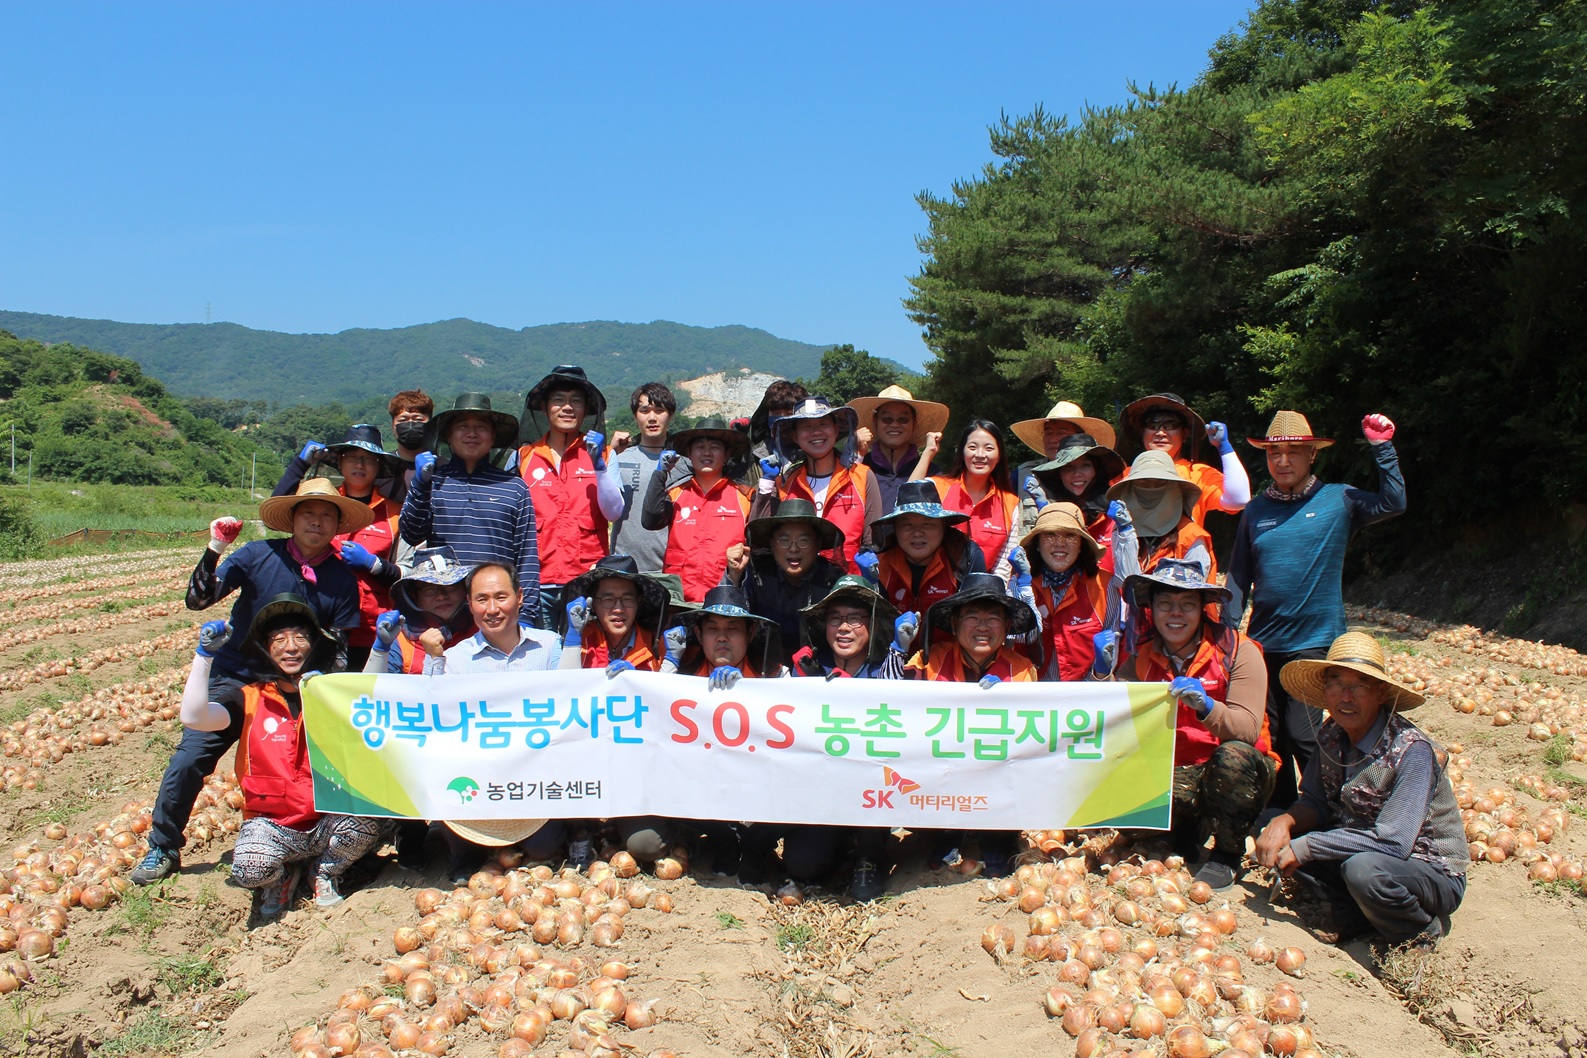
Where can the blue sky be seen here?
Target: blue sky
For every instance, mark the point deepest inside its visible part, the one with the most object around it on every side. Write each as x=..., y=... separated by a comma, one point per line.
x=315, y=167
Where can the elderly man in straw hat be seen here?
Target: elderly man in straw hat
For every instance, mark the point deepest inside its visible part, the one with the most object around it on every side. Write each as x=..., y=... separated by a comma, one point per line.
x=893, y=429
x=1288, y=564
x=1043, y=436
x=1376, y=827
x=303, y=564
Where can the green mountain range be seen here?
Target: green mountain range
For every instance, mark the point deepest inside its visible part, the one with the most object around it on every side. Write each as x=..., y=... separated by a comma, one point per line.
x=361, y=366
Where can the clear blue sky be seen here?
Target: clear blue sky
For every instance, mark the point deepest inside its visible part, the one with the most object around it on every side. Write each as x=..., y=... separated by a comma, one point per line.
x=320, y=166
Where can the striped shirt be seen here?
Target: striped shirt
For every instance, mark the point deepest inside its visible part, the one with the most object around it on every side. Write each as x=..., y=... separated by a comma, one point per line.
x=485, y=516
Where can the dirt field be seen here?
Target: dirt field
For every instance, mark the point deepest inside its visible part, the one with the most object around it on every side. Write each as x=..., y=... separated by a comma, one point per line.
x=88, y=690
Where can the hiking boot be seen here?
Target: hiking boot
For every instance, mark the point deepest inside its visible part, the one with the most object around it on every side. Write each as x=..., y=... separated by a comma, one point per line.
x=581, y=853
x=158, y=863
x=276, y=899
x=327, y=892
x=1218, y=874
x=866, y=885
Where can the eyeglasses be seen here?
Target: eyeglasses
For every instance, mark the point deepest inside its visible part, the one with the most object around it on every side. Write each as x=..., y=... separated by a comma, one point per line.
x=794, y=540
x=614, y=601
x=838, y=619
x=1346, y=690
x=1165, y=423
x=288, y=636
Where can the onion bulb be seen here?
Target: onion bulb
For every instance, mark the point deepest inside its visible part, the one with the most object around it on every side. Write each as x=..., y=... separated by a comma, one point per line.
x=1259, y=951
x=1187, y=1041
x=1290, y=960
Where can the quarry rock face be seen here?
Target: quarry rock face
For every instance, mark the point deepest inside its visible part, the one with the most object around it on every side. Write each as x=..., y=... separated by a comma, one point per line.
x=725, y=393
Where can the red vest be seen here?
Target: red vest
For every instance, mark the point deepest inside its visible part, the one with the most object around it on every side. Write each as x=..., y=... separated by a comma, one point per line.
x=991, y=520
x=1069, y=623
x=594, y=653
x=570, y=531
x=946, y=663
x=704, y=526
x=380, y=538
x=844, y=506
x=1178, y=544
x=1193, y=743
x=273, y=760
x=937, y=583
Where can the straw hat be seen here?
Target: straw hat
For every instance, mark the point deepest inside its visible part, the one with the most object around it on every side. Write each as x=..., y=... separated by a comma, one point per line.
x=1058, y=518
x=495, y=832
x=277, y=511
x=1289, y=427
x=1030, y=430
x=1152, y=465
x=1356, y=651
x=930, y=417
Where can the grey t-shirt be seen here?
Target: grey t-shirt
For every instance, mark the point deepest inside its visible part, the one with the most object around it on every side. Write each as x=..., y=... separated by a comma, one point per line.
x=647, y=546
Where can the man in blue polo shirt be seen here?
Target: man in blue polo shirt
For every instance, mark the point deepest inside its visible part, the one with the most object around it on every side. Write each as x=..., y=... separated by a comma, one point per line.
x=303, y=564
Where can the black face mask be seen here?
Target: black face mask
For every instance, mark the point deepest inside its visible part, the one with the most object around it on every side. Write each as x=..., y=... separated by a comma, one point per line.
x=410, y=435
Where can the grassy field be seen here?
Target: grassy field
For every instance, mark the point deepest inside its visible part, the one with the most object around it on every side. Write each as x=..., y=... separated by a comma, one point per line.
x=59, y=508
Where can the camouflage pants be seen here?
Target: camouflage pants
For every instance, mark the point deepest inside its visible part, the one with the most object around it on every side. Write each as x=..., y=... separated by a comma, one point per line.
x=1222, y=796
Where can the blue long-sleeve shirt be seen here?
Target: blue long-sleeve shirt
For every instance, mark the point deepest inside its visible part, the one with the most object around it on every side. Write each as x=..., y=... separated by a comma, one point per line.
x=1289, y=557
x=485, y=516
x=1394, y=831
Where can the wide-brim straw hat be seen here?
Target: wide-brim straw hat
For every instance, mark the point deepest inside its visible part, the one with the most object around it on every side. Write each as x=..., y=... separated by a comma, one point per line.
x=652, y=595
x=1174, y=574
x=759, y=531
x=276, y=512
x=856, y=590
x=981, y=587
x=1289, y=427
x=1130, y=422
x=1356, y=651
x=505, y=426
x=495, y=832
x=1078, y=446
x=930, y=417
x=1031, y=431
x=713, y=428
x=1058, y=518
x=1153, y=465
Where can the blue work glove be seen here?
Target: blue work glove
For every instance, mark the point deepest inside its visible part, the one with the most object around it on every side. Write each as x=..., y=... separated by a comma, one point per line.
x=1034, y=490
x=1189, y=691
x=870, y=565
x=360, y=557
x=1107, y=656
x=310, y=451
x=1021, y=563
x=673, y=641
x=666, y=461
x=771, y=466
x=904, y=630
x=987, y=682
x=595, y=441
x=212, y=635
x=1218, y=434
x=619, y=666
x=387, y=625
x=1119, y=513
x=421, y=466
x=724, y=677
x=578, y=614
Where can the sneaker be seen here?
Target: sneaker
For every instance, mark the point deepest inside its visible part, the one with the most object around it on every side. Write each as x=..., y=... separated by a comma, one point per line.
x=866, y=885
x=157, y=864
x=326, y=892
x=1217, y=874
x=581, y=853
x=275, y=900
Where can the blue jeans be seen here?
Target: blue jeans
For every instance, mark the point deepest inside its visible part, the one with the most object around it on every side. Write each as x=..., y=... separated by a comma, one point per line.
x=193, y=762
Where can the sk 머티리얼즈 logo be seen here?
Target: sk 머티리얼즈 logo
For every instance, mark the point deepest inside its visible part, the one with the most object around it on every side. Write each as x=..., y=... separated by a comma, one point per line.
x=892, y=783
x=465, y=788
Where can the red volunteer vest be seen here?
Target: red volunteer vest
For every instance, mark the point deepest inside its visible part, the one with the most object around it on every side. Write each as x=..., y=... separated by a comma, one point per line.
x=1193, y=743
x=1069, y=623
x=844, y=506
x=946, y=663
x=991, y=520
x=936, y=584
x=594, y=653
x=570, y=530
x=1178, y=544
x=273, y=760
x=380, y=538
x=704, y=526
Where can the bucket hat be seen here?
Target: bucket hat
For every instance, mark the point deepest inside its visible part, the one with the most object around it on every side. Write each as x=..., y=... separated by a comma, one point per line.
x=1131, y=422
x=289, y=604
x=759, y=530
x=1156, y=466
x=1289, y=427
x=365, y=437
x=856, y=590
x=916, y=497
x=1356, y=651
x=652, y=595
x=505, y=426
x=813, y=408
x=930, y=417
x=727, y=600
x=276, y=512
x=1031, y=430
x=566, y=376
x=1056, y=518
x=429, y=565
x=981, y=587
x=1078, y=446
x=714, y=428
x=1175, y=574
x=673, y=585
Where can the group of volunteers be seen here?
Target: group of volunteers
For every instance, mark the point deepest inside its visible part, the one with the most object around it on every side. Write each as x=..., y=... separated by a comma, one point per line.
x=835, y=541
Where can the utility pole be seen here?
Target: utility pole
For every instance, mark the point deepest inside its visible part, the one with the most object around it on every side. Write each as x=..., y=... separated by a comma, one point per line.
x=13, y=451
x=253, y=474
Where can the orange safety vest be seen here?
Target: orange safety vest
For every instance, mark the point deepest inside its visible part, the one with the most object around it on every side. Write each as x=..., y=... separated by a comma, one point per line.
x=380, y=538
x=273, y=760
x=1068, y=624
x=946, y=664
x=1178, y=544
x=594, y=653
x=570, y=531
x=704, y=526
x=897, y=580
x=1208, y=479
x=1193, y=743
x=844, y=505
x=991, y=520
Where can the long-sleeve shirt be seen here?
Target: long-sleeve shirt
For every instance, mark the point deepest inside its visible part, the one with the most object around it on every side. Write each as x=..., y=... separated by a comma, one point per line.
x=1289, y=557
x=485, y=516
x=1397, y=824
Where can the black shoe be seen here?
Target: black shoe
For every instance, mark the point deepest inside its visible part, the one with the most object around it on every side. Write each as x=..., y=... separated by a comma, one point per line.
x=1218, y=874
x=867, y=883
x=994, y=863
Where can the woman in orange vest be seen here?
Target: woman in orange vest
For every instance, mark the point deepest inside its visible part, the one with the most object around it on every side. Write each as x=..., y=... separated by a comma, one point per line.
x=430, y=613
x=1069, y=593
x=978, y=484
x=572, y=480
x=1080, y=472
x=706, y=512
x=1162, y=505
x=615, y=615
x=820, y=464
x=280, y=830
x=922, y=553
x=1163, y=422
x=966, y=642
x=1223, y=762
